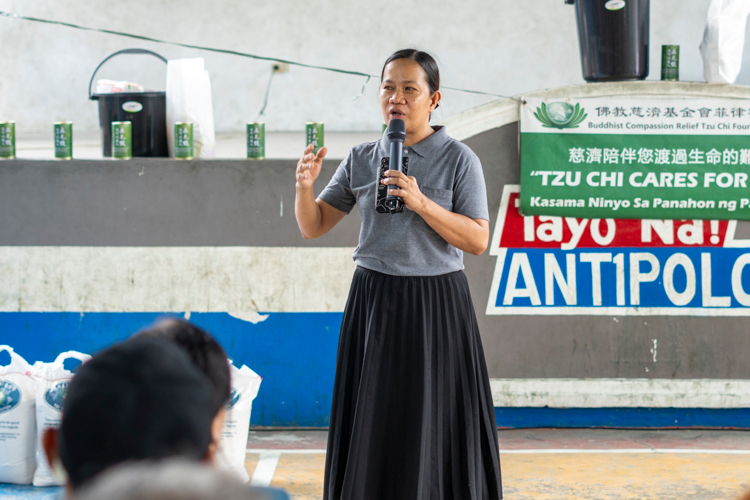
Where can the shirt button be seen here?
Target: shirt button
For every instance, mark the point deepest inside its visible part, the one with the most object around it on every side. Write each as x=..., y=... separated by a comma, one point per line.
x=406, y=150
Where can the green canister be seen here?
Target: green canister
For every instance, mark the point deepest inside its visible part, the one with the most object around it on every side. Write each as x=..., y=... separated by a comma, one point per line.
x=256, y=141
x=63, y=140
x=8, y=140
x=670, y=62
x=183, y=141
x=315, y=135
x=122, y=140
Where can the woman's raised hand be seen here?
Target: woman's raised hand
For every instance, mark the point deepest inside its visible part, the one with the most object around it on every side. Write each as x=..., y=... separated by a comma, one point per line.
x=308, y=167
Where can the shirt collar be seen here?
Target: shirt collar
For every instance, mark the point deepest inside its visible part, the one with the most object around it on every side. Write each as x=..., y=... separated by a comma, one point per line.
x=421, y=149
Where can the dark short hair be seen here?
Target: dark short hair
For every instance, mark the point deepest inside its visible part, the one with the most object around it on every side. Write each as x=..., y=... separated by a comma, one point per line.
x=140, y=399
x=425, y=60
x=205, y=352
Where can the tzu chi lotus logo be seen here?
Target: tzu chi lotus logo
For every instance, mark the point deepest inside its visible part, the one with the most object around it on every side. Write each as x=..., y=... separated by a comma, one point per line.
x=560, y=115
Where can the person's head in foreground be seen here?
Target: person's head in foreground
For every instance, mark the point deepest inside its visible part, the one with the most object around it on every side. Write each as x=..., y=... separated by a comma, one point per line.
x=171, y=480
x=206, y=354
x=140, y=399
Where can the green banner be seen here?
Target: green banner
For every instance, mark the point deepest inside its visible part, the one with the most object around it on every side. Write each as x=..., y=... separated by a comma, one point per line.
x=691, y=167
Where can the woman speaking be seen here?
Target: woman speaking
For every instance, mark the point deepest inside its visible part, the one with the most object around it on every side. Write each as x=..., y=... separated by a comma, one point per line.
x=412, y=415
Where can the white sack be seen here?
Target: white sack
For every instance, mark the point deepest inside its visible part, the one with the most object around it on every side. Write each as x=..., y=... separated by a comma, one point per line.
x=231, y=454
x=17, y=420
x=189, y=100
x=51, y=387
x=723, y=40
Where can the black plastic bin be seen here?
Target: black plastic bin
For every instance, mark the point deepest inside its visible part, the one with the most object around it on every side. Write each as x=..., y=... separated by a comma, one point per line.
x=146, y=111
x=614, y=39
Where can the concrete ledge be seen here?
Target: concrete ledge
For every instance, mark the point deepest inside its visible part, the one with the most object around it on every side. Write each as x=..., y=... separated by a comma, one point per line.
x=239, y=280
x=621, y=393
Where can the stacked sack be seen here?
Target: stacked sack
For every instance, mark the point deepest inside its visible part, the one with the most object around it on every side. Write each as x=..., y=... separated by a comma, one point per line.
x=233, y=444
x=52, y=381
x=30, y=402
x=17, y=420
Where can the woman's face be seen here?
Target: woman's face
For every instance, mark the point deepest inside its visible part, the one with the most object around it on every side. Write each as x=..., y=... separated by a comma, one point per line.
x=405, y=94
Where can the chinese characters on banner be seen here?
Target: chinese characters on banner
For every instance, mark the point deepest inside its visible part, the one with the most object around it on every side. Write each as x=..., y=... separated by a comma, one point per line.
x=568, y=265
x=636, y=158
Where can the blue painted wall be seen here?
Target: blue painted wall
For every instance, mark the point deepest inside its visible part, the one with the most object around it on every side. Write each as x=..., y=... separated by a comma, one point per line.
x=295, y=353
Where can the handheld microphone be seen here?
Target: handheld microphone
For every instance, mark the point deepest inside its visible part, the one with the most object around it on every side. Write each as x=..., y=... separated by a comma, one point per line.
x=385, y=201
x=397, y=136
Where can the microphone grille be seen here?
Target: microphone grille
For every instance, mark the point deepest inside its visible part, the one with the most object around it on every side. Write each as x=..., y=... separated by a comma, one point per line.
x=396, y=128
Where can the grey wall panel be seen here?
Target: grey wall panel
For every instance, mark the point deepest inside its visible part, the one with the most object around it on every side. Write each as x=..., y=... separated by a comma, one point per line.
x=157, y=202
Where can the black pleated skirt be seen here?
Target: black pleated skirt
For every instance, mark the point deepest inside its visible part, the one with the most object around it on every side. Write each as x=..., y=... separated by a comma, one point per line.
x=412, y=415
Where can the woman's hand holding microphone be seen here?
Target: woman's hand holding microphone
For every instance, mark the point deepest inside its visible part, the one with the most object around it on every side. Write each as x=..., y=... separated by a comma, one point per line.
x=407, y=189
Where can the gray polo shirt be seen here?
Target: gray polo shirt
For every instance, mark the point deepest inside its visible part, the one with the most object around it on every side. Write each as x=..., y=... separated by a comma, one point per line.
x=447, y=172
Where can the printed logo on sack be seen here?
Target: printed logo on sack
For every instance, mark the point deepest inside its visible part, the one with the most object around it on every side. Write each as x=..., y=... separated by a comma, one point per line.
x=10, y=396
x=560, y=115
x=234, y=397
x=55, y=395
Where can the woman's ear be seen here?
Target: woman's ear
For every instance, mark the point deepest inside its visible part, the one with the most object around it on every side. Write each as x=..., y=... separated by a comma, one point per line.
x=435, y=98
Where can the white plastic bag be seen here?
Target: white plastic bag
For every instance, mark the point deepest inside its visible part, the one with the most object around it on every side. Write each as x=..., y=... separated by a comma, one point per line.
x=189, y=100
x=17, y=420
x=231, y=454
x=114, y=87
x=52, y=385
x=723, y=40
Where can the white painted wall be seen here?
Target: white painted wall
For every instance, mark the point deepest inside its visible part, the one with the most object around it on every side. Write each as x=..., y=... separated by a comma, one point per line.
x=498, y=46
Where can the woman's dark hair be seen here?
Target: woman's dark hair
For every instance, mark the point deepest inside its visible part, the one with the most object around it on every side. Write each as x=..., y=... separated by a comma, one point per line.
x=205, y=352
x=425, y=60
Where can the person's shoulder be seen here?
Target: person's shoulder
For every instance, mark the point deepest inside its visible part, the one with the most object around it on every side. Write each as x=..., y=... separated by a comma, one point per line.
x=362, y=154
x=463, y=153
x=453, y=146
x=365, y=148
x=461, y=147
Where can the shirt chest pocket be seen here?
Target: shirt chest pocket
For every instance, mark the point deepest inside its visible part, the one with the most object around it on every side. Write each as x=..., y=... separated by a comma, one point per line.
x=443, y=197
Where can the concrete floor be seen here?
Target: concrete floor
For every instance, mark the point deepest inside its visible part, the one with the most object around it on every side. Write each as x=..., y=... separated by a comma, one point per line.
x=554, y=464
x=537, y=464
x=283, y=145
